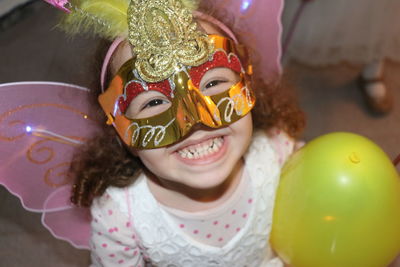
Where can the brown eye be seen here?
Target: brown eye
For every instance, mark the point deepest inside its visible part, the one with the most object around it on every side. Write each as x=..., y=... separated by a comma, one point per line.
x=155, y=102
x=217, y=80
x=147, y=104
x=213, y=83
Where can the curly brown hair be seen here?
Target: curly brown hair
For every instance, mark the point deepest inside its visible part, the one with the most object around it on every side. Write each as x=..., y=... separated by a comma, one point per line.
x=104, y=161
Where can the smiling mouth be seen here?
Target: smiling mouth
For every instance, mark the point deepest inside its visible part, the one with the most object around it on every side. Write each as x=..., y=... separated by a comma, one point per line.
x=203, y=149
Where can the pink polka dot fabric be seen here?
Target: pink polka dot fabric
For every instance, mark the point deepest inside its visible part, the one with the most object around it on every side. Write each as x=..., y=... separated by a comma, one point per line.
x=218, y=226
x=283, y=144
x=113, y=241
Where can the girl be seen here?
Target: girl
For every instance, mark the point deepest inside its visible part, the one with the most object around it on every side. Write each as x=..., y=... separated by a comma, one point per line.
x=181, y=179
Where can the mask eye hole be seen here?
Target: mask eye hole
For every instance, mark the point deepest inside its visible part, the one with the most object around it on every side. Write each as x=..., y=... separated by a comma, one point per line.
x=218, y=80
x=147, y=104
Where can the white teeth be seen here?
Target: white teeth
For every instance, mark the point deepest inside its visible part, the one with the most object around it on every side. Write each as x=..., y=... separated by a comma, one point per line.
x=201, y=150
x=198, y=147
x=218, y=142
x=183, y=153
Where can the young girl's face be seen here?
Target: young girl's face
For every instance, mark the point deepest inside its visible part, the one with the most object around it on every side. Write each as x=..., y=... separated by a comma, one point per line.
x=207, y=156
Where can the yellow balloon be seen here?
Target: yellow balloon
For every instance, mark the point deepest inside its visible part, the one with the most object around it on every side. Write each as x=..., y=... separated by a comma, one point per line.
x=338, y=205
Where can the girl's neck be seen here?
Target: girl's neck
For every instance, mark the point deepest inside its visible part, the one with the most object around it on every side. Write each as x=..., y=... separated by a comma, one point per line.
x=190, y=199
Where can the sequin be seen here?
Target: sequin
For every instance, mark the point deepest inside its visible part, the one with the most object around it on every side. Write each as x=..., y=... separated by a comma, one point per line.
x=133, y=89
x=220, y=59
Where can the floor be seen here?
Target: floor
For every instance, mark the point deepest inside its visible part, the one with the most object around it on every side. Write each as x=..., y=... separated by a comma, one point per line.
x=33, y=49
x=8, y=5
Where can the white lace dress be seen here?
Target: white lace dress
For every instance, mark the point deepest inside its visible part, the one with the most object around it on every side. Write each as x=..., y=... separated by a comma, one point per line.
x=355, y=31
x=130, y=228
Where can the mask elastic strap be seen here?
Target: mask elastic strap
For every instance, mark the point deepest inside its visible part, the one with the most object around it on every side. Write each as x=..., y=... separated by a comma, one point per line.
x=216, y=22
x=107, y=59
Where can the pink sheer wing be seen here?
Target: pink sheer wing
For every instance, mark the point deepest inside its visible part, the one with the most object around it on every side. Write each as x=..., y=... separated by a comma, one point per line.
x=258, y=23
x=41, y=123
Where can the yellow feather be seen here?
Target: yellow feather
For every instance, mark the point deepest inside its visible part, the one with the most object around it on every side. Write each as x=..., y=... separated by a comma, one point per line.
x=106, y=18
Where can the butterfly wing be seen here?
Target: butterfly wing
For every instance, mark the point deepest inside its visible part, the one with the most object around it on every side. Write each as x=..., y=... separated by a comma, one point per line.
x=41, y=124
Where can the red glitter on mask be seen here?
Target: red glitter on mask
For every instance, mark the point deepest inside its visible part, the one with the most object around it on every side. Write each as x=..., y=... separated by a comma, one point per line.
x=133, y=89
x=220, y=59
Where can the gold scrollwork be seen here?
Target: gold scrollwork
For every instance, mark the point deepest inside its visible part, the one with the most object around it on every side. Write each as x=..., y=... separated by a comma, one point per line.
x=11, y=124
x=55, y=172
x=18, y=123
x=38, y=153
x=164, y=37
x=35, y=150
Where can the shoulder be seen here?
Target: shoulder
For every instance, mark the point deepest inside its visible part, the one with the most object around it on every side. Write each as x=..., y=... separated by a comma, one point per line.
x=109, y=223
x=281, y=143
x=115, y=198
x=114, y=241
x=106, y=209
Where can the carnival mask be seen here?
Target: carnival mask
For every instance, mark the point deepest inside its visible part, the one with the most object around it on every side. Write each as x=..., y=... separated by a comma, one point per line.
x=171, y=57
x=182, y=104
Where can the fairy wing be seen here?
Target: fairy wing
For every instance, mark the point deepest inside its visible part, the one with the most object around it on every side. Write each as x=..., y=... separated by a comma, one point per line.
x=41, y=124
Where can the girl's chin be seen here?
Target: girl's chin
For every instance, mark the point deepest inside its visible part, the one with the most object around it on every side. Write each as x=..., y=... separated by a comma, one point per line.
x=206, y=182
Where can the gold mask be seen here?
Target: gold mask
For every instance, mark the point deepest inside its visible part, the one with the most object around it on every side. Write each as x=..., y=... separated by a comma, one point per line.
x=187, y=105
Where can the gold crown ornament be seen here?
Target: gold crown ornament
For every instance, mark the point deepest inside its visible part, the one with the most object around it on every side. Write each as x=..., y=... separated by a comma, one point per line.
x=164, y=38
x=162, y=33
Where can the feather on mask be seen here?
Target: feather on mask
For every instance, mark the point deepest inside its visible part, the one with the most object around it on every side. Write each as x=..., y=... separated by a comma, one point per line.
x=105, y=18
